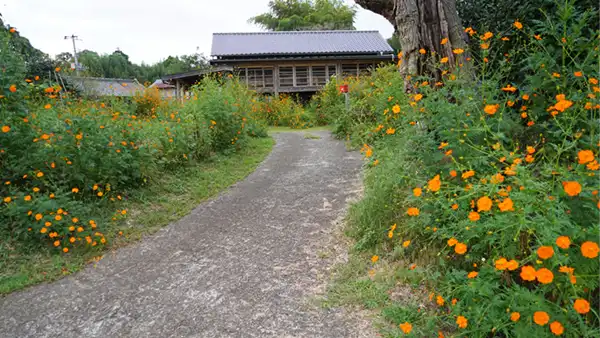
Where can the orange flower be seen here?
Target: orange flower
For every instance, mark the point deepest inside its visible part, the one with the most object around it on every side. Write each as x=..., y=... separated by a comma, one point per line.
x=563, y=242
x=75, y=190
x=545, y=252
x=468, y=174
x=444, y=60
x=453, y=173
x=417, y=192
x=461, y=322
x=390, y=131
x=458, y=51
x=5, y=129
x=374, y=259
x=509, y=88
x=487, y=35
x=412, y=212
x=439, y=300
x=544, y=276
x=418, y=97
x=512, y=265
x=12, y=88
x=396, y=109
x=65, y=250
x=518, y=25
x=572, y=188
x=444, y=41
x=515, y=316
x=434, y=184
x=406, y=327
x=585, y=156
x=472, y=274
x=474, y=216
x=541, y=318
x=537, y=37
x=48, y=106
x=528, y=273
x=594, y=165
x=454, y=206
x=589, y=249
x=501, y=264
x=484, y=46
x=460, y=248
x=452, y=242
x=557, y=328
x=406, y=243
x=484, y=204
x=578, y=74
x=422, y=51
x=582, y=306
x=506, y=205
x=491, y=109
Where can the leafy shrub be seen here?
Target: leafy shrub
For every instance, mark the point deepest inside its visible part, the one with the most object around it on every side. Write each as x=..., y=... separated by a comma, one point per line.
x=496, y=177
x=67, y=163
x=282, y=111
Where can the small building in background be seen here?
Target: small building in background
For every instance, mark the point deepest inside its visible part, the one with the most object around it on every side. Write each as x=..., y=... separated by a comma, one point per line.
x=99, y=87
x=166, y=91
x=291, y=62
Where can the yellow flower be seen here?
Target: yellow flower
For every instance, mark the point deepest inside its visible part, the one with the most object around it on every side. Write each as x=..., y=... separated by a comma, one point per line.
x=458, y=51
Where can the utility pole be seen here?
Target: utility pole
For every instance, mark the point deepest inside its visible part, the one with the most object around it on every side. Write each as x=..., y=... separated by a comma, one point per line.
x=74, y=37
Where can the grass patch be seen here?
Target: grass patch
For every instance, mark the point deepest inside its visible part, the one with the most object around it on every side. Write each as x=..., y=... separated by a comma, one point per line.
x=163, y=201
x=288, y=129
x=310, y=136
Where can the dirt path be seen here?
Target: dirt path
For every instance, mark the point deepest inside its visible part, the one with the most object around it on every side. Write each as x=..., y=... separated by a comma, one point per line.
x=245, y=264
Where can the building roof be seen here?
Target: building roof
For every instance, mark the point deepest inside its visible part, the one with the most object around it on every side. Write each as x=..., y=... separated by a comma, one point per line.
x=161, y=85
x=299, y=43
x=98, y=86
x=196, y=73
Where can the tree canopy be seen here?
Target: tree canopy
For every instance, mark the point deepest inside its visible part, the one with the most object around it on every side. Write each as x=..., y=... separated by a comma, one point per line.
x=296, y=15
x=36, y=61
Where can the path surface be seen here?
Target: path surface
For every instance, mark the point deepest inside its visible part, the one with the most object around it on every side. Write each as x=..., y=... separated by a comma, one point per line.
x=245, y=264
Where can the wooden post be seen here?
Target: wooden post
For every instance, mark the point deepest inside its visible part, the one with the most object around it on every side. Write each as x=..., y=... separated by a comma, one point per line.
x=276, y=80
x=338, y=71
x=177, y=90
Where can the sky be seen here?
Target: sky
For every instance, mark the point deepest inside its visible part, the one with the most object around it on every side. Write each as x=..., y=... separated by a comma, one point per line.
x=146, y=30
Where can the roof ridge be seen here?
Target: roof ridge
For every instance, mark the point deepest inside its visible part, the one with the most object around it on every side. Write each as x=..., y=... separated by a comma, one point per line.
x=297, y=32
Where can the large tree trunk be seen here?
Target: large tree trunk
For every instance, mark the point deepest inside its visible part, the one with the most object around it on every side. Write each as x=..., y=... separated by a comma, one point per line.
x=422, y=24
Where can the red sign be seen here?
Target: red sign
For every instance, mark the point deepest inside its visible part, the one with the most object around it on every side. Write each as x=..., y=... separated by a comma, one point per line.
x=344, y=88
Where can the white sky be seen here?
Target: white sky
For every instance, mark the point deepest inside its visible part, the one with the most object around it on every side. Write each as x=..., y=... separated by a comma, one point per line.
x=146, y=30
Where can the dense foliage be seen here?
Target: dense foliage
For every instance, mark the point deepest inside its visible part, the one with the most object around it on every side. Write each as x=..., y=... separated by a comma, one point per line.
x=297, y=15
x=65, y=162
x=485, y=190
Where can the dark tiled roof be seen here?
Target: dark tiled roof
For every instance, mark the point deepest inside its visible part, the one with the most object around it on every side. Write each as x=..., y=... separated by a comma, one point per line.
x=299, y=43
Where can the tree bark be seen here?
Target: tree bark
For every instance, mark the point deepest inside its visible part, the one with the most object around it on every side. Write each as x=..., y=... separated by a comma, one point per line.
x=422, y=24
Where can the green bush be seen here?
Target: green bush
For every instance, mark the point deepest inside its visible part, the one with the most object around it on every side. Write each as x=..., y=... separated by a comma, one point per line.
x=493, y=177
x=67, y=164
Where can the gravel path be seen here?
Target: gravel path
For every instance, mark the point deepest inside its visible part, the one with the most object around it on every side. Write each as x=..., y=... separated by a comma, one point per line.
x=245, y=264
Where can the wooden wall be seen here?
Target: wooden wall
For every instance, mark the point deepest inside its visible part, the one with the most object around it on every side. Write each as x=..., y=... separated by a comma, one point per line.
x=282, y=77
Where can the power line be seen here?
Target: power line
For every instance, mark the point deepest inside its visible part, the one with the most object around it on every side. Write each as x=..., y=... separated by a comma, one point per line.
x=74, y=37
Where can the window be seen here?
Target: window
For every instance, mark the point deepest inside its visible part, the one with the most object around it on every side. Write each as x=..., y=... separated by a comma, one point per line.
x=331, y=71
x=268, y=72
x=286, y=76
x=364, y=68
x=349, y=70
x=255, y=77
x=301, y=76
x=319, y=76
x=242, y=75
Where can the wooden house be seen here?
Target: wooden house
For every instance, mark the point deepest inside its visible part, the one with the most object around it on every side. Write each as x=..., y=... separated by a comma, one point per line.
x=295, y=61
